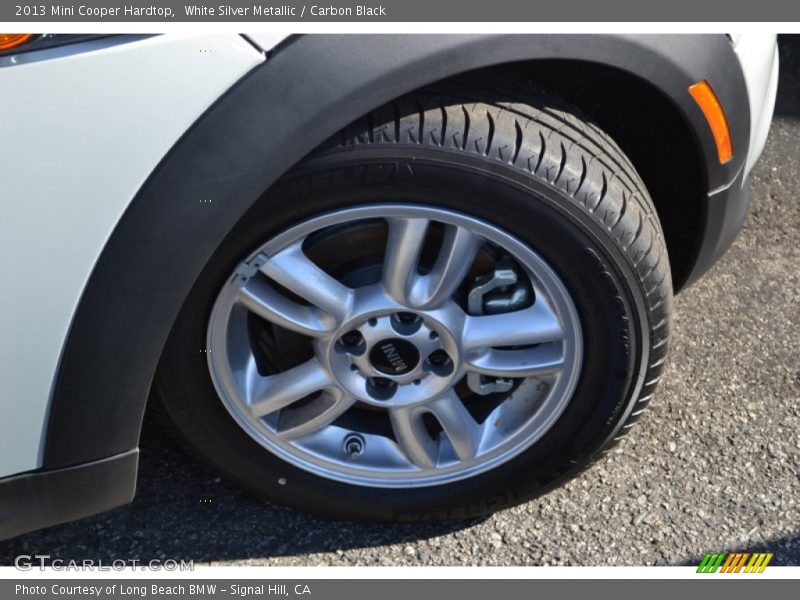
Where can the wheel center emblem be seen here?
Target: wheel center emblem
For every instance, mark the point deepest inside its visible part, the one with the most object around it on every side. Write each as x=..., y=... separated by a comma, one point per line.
x=394, y=356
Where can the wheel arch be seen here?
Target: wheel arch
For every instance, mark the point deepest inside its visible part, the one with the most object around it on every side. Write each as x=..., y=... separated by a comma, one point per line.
x=308, y=89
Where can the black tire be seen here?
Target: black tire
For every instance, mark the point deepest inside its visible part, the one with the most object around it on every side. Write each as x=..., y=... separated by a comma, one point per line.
x=508, y=154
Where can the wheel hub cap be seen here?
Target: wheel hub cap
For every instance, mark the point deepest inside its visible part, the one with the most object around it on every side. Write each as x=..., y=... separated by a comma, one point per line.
x=394, y=356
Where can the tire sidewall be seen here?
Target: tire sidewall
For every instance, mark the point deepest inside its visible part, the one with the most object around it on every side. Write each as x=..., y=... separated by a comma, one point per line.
x=608, y=294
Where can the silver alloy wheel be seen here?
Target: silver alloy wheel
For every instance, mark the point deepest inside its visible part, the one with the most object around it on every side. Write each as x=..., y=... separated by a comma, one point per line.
x=398, y=347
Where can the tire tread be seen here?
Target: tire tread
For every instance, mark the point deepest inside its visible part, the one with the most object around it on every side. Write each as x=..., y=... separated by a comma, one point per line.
x=556, y=143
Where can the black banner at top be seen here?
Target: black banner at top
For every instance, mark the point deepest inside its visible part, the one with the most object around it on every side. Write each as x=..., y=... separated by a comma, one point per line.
x=463, y=11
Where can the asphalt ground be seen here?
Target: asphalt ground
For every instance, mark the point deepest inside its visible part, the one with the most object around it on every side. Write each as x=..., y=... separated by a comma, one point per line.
x=713, y=466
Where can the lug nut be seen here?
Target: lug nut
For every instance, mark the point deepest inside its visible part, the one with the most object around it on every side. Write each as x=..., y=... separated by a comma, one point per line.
x=406, y=323
x=351, y=338
x=381, y=388
x=438, y=358
x=353, y=445
x=439, y=363
x=351, y=342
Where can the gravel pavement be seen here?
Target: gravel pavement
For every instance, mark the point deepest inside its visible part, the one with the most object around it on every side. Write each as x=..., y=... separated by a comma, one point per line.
x=713, y=466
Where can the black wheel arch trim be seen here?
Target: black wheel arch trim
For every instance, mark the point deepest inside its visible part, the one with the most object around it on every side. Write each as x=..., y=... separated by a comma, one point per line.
x=308, y=89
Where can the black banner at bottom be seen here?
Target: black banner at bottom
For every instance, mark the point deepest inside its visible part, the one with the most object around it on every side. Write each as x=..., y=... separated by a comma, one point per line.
x=387, y=589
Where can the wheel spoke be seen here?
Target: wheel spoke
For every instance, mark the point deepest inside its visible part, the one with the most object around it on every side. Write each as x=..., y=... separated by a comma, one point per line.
x=277, y=391
x=529, y=362
x=412, y=436
x=296, y=272
x=265, y=301
x=403, y=248
x=310, y=421
x=458, y=425
x=455, y=258
x=534, y=325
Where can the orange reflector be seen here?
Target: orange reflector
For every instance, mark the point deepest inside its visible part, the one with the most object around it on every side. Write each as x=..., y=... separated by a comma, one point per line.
x=12, y=40
x=715, y=115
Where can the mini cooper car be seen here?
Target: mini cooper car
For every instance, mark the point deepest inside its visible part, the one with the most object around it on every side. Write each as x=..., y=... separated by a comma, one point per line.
x=377, y=277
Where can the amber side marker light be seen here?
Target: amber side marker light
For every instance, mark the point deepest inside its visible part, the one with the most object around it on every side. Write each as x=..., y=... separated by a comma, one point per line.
x=708, y=102
x=12, y=40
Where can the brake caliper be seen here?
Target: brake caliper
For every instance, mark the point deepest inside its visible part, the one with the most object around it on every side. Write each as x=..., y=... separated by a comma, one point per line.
x=495, y=293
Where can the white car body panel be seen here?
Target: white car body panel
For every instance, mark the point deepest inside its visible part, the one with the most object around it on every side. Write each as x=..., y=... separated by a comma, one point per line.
x=758, y=55
x=96, y=124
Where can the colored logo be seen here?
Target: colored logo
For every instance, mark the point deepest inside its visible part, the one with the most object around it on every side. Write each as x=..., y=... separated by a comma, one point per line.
x=734, y=562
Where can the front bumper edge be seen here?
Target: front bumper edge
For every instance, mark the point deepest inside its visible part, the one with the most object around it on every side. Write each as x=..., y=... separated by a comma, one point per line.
x=725, y=214
x=43, y=498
